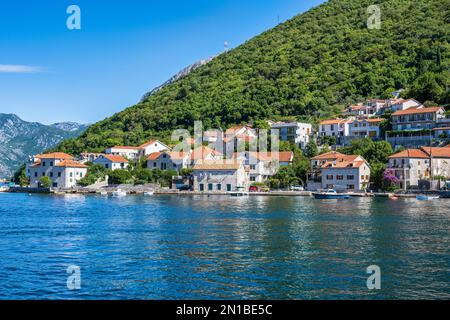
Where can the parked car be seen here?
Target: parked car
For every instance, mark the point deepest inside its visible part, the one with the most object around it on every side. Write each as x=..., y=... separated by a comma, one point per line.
x=297, y=188
x=184, y=188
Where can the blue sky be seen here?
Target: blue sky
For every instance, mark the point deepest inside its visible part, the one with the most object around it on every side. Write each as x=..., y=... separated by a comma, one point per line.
x=124, y=48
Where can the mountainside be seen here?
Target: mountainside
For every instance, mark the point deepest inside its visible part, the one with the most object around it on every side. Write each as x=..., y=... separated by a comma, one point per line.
x=183, y=73
x=308, y=67
x=19, y=139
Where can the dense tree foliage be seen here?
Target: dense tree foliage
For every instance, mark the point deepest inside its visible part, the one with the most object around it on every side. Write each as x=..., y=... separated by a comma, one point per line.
x=308, y=68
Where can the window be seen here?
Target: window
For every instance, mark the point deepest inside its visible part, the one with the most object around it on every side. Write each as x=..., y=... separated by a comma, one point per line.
x=51, y=174
x=35, y=174
x=43, y=163
x=339, y=177
x=219, y=187
x=106, y=166
x=59, y=174
x=252, y=167
x=55, y=185
x=71, y=174
x=202, y=187
x=51, y=163
x=228, y=187
x=154, y=164
x=351, y=187
x=330, y=177
x=350, y=177
x=81, y=174
x=210, y=187
x=43, y=174
x=252, y=179
x=362, y=177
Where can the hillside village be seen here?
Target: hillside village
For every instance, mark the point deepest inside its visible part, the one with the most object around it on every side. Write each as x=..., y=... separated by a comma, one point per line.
x=415, y=140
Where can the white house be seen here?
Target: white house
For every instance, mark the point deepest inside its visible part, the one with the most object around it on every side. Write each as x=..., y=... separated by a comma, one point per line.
x=365, y=128
x=237, y=136
x=412, y=165
x=169, y=160
x=263, y=165
x=334, y=128
x=60, y=167
x=395, y=105
x=112, y=162
x=220, y=176
x=334, y=170
x=294, y=132
x=128, y=152
x=152, y=146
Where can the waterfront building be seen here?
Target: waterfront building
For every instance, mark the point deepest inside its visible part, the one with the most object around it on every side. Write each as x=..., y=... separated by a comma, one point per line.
x=237, y=137
x=220, y=176
x=112, y=162
x=263, y=165
x=334, y=170
x=295, y=132
x=414, y=168
x=60, y=167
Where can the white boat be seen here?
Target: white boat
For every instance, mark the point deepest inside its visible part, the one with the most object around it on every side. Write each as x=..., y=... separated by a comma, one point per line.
x=239, y=194
x=330, y=194
x=149, y=193
x=427, y=198
x=119, y=193
x=104, y=193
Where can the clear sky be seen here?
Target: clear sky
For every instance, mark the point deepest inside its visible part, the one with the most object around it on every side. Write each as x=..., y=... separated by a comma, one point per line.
x=124, y=48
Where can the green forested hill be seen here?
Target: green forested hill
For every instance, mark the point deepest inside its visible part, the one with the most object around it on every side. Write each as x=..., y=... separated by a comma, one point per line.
x=309, y=67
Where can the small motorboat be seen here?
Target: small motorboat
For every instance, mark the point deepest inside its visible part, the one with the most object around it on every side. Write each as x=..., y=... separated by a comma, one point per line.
x=104, y=194
x=149, y=193
x=423, y=197
x=330, y=194
x=239, y=194
x=119, y=193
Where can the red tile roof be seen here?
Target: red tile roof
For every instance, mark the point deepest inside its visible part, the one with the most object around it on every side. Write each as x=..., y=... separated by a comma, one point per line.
x=117, y=159
x=437, y=152
x=54, y=155
x=334, y=155
x=417, y=111
x=410, y=153
x=218, y=165
x=332, y=121
x=70, y=164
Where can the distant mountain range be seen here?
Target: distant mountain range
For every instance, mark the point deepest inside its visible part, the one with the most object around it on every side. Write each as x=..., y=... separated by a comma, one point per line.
x=19, y=139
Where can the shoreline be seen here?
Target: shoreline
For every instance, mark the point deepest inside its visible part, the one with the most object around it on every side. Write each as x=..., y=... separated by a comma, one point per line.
x=109, y=192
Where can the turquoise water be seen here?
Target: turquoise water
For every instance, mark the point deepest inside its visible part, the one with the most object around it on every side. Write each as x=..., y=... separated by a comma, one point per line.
x=170, y=247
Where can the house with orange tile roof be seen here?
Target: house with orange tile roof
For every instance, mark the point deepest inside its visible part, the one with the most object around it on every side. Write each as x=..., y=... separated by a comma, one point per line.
x=413, y=127
x=134, y=153
x=365, y=128
x=112, y=162
x=63, y=171
x=395, y=105
x=334, y=170
x=220, y=176
x=263, y=165
x=413, y=166
x=152, y=146
x=334, y=128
